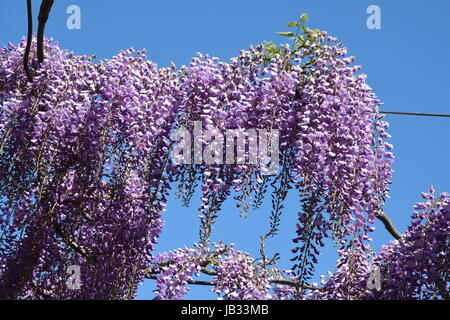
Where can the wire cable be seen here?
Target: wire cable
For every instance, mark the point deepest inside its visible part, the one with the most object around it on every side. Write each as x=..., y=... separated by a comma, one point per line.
x=417, y=114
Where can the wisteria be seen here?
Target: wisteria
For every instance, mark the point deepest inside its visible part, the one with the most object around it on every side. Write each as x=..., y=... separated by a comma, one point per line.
x=414, y=267
x=86, y=167
x=239, y=279
x=76, y=184
x=235, y=275
x=174, y=270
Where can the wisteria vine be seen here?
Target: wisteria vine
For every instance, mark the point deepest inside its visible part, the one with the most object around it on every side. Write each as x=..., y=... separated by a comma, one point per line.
x=85, y=171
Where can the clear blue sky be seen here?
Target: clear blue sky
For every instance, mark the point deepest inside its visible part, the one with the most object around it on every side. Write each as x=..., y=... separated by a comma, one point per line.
x=406, y=62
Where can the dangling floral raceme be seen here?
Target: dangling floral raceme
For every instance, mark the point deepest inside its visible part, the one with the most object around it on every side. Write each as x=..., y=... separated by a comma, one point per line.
x=235, y=275
x=414, y=267
x=238, y=278
x=76, y=185
x=174, y=270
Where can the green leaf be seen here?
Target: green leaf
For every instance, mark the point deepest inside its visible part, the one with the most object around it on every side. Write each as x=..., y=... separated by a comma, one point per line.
x=292, y=24
x=301, y=40
x=303, y=18
x=286, y=34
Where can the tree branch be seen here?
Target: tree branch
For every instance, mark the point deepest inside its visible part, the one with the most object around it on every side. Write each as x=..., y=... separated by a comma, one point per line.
x=196, y=282
x=72, y=244
x=208, y=272
x=383, y=217
x=29, y=41
x=44, y=12
x=153, y=275
x=293, y=284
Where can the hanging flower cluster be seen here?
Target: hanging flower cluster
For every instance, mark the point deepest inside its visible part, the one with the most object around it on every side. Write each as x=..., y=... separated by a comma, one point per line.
x=238, y=278
x=235, y=275
x=82, y=172
x=175, y=269
x=414, y=267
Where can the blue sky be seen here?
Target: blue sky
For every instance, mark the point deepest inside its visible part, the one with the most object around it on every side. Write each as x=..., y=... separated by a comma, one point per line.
x=406, y=62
